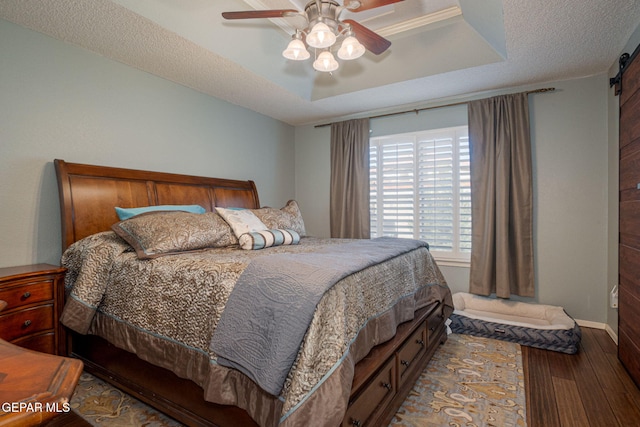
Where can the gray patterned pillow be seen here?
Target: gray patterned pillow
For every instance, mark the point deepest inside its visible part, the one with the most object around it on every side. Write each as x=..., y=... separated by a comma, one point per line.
x=159, y=233
x=288, y=217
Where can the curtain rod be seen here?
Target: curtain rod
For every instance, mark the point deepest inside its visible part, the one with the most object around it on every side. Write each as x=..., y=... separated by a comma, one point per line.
x=417, y=110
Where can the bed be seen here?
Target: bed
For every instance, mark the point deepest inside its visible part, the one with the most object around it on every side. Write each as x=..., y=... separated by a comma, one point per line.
x=158, y=320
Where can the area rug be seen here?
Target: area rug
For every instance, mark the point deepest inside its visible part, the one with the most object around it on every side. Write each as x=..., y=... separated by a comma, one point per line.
x=470, y=382
x=101, y=404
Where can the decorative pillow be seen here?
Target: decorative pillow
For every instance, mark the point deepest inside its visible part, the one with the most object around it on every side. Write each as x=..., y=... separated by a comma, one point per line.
x=241, y=220
x=267, y=238
x=126, y=213
x=155, y=234
x=289, y=217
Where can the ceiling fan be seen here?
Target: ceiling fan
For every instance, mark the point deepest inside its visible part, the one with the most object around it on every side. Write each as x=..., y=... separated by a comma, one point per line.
x=324, y=28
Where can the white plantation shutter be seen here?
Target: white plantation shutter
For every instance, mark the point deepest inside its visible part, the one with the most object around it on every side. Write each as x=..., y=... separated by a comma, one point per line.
x=435, y=192
x=420, y=189
x=464, y=189
x=397, y=180
x=373, y=187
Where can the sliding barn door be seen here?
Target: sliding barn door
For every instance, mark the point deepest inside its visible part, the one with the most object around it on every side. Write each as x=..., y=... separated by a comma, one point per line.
x=629, y=256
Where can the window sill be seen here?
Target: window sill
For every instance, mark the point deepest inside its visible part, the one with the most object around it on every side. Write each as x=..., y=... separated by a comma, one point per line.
x=444, y=262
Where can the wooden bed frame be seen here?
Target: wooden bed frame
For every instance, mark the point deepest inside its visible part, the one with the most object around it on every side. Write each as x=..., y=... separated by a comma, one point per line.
x=88, y=195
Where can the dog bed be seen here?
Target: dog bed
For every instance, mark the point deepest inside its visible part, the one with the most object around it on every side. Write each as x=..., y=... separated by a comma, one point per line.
x=535, y=325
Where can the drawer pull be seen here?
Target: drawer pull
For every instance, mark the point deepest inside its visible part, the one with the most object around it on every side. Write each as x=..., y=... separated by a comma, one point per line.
x=404, y=362
x=386, y=385
x=421, y=342
x=27, y=323
x=356, y=423
x=26, y=295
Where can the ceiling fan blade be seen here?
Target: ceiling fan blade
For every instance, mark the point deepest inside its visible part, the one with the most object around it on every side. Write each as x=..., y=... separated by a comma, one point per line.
x=370, y=4
x=250, y=14
x=372, y=41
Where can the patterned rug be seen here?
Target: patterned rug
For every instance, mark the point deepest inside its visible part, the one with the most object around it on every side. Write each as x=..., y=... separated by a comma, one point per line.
x=470, y=382
x=101, y=404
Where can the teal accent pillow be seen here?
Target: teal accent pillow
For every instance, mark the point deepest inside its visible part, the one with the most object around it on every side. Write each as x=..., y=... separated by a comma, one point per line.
x=126, y=213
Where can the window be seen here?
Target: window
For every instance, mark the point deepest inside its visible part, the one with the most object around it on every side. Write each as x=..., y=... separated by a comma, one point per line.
x=421, y=189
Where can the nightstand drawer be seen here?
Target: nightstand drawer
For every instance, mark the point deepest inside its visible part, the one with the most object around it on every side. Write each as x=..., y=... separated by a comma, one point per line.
x=45, y=343
x=27, y=293
x=31, y=299
x=26, y=322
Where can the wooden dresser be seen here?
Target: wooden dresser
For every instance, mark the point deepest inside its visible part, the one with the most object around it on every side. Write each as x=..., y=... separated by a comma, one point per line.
x=34, y=295
x=34, y=387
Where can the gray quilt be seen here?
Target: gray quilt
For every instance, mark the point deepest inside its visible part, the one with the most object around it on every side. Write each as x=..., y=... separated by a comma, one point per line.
x=272, y=304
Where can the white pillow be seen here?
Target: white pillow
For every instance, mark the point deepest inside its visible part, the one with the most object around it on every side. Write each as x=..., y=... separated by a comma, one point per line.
x=241, y=221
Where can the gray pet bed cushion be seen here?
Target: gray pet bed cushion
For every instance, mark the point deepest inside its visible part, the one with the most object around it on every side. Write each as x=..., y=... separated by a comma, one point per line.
x=535, y=325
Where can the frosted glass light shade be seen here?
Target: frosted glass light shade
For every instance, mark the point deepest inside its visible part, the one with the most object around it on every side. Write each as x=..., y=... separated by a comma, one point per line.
x=351, y=49
x=325, y=62
x=321, y=36
x=296, y=51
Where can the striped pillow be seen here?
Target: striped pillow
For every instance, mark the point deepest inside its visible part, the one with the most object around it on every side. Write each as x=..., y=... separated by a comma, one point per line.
x=267, y=238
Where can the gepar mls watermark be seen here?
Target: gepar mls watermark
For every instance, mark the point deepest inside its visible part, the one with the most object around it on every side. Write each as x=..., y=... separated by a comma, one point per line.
x=58, y=407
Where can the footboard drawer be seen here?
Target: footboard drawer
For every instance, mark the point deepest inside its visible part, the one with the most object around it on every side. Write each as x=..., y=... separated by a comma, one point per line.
x=411, y=351
x=373, y=398
x=435, y=322
x=382, y=369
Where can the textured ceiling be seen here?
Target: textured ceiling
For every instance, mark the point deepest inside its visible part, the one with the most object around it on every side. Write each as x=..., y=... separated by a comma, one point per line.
x=455, y=47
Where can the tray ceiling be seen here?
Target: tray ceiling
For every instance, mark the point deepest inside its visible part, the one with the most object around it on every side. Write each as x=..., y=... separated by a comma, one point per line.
x=440, y=48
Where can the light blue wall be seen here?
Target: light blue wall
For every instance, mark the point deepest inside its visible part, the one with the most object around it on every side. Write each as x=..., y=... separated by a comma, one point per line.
x=436, y=118
x=569, y=138
x=61, y=101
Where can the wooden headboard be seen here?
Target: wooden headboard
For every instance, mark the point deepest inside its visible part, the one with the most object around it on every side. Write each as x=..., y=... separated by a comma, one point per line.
x=89, y=195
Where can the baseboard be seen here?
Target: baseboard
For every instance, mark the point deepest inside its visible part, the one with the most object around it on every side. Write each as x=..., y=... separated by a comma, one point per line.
x=612, y=334
x=590, y=324
x=598, y=325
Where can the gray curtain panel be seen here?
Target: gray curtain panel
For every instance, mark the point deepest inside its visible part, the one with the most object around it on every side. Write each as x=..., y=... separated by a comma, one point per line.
x=350, y=179
x=501, y=197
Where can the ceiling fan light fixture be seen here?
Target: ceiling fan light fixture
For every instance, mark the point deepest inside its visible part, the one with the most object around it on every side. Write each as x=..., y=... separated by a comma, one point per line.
x=351, y=49
x=321, y=36
x=325, y=62
x=324, y=29
x=296, y=50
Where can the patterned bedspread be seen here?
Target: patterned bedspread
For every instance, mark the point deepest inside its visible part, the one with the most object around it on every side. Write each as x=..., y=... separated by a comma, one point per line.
x=166, y=309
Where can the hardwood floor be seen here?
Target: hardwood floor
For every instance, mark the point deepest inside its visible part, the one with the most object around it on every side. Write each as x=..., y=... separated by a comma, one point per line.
x=70, y=419
x=590, y=388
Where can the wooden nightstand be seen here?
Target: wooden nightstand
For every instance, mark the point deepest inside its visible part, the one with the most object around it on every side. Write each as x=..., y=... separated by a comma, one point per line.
x=34, y=295
x=35, y=387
